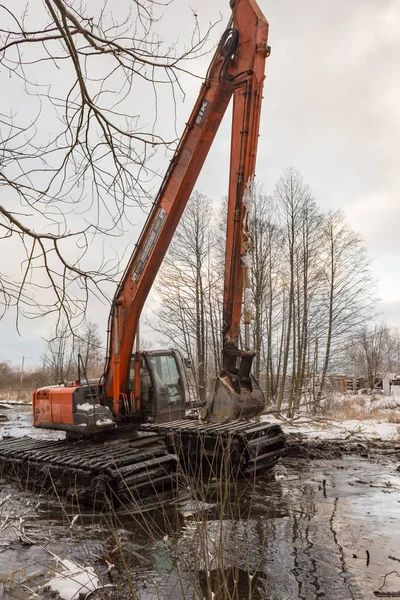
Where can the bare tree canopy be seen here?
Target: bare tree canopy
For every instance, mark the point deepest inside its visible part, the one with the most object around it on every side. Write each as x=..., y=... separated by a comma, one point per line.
x=60, y=361
x=311, y=290
x=373, y=352
x=189, y=287
x=74, y=148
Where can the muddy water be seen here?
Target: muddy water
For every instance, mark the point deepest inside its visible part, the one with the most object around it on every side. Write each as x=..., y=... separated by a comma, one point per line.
x=18, y=421
x=300, y=538
x=321, y=529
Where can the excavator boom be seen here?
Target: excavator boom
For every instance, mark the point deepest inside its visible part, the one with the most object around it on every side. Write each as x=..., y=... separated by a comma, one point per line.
x=237, y=69
x=164, y=217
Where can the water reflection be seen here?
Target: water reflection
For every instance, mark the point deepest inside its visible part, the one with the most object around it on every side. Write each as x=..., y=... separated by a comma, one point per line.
x=304, y=533
x=292, y=536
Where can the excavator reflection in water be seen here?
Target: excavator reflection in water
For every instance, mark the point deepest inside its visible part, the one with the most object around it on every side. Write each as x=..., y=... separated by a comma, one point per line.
x=141, y=395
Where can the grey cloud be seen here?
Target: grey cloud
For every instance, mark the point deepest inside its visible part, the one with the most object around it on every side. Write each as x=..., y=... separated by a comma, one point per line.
x=331, y=109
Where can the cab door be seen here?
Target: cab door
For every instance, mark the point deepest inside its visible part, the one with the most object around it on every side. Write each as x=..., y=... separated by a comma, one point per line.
x=168, y=391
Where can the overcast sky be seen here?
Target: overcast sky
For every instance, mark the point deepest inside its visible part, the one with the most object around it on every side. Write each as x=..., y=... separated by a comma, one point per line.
x=331, y=110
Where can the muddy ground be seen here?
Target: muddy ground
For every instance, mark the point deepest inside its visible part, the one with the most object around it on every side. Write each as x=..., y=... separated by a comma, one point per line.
x=323, y=525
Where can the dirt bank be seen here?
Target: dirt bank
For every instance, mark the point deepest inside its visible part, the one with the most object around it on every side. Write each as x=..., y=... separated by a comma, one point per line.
x=301, y=446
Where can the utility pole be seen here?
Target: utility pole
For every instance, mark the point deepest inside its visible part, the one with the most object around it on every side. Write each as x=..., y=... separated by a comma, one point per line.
x=22, y=370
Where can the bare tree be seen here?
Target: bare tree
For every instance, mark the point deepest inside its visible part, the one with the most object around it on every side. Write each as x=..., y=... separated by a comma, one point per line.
x=308, y=280
x=186, y=286
x=266, y=258
x=89, y=345
x=370, y=353
x=393, y=350
x=58, y=360
x=350, y=290
x=7, y=375
x=291, y=195
x=74, y=148
x=312, y=288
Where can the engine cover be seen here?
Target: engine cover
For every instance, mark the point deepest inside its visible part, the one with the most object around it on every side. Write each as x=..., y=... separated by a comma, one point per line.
x=71, y=408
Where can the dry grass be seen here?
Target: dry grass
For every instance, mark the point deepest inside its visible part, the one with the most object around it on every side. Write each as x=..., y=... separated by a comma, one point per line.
x=393, y=417
x=21, y=396
x=358, y=408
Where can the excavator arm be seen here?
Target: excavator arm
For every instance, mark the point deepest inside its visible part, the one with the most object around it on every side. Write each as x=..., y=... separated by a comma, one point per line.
x=164, y=217
x=237, y=69
x=87, y=408
x=248, y=86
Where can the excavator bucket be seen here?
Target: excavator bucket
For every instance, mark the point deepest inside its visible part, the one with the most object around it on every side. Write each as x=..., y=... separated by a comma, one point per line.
x=232, y=399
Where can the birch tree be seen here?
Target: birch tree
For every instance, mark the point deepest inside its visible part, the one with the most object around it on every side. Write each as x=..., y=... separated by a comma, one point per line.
x=265, y=285
x=291, y=194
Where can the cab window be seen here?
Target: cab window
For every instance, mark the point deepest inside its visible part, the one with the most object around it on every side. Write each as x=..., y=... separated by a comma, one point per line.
x=167, y=381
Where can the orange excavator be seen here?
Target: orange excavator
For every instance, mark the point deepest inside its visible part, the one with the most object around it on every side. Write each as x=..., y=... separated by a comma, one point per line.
x=141, y=396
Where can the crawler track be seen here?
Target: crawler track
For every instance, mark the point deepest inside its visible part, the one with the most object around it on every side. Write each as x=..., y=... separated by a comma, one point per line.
x=92, y=474
x=238, y=448
x=98, y=474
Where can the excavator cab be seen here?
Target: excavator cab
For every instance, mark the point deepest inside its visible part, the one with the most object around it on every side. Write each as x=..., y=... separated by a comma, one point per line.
x=78, y=407
x=162, y=390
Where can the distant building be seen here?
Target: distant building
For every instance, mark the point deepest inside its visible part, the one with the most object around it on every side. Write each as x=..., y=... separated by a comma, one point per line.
x=391, y=384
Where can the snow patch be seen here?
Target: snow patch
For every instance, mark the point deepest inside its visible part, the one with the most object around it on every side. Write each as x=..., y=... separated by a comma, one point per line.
x=74, y=520
x=248, y=204
x=104, y=422
x=384, y=402
x=12, y=402
x=86, y=407
x=247, y=299
x=246, y=260
x=74, y=580
x=329, y=429
x=193, y=508
x=248, y=200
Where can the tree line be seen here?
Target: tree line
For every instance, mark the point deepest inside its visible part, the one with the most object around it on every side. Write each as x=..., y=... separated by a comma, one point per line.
x=311, y=284
x=59, y=362
x=312, y=296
